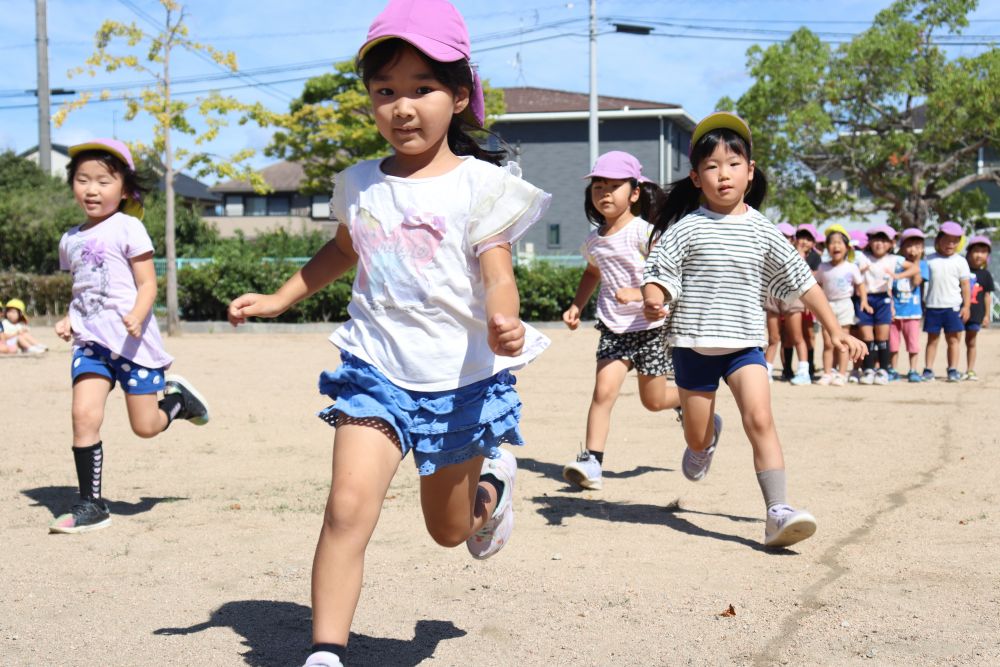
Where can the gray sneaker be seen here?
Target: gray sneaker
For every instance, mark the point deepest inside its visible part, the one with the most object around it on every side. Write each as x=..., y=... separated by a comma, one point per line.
x=695, y=465
x=787, y=525
x=88, y=514
x=323, y=659
x=585, y=472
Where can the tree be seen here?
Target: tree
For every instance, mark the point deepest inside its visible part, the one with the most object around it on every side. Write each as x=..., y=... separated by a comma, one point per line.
x=887, y=112
x=330, y=126
x=170, y=114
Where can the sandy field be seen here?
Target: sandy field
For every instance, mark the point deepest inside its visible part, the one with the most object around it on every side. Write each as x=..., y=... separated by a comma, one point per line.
x=208, y=560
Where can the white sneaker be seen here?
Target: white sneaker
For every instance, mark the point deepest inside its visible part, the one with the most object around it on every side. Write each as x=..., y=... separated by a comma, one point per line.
x=323, y=659
x=786, y=526
x=694, y=464
x=801, y=378
x=881, y=377
x=868, y=377
x=495, y=533
x=37, y=349
x=854, y=377
x=584, y=472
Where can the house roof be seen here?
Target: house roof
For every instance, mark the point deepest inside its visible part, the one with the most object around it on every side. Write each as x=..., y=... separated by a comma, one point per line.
x=189, y=188
x=527, y=99
x=58, y=148
x=281, y=176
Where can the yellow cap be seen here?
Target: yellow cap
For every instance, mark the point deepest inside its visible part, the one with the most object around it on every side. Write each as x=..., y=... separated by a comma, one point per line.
x=721, y=120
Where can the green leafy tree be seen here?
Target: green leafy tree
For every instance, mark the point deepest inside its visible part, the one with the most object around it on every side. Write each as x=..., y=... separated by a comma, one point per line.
x=151, y=53
x=330, y=126
x=888, y=113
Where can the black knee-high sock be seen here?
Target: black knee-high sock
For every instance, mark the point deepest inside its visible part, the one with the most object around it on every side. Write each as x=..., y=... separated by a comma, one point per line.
x=337, y=649
x=171, y=405
x=89, y=464
x=812, y=363
x=786, y=361
x=884, y=356
x=869, y=362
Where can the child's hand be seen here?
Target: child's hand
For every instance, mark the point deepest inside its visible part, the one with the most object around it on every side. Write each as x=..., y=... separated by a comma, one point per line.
x=964, y=313
x=625, y=295
x=854, y=348
x=986, y=321
x=571, y=317
x=867, y=307
x=253, y=305
x=63, y=329
x=506, y=336
x=132, y=325
x=654, y=308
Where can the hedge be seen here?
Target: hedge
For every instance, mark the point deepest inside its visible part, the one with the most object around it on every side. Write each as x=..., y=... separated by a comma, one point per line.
x=205, y=291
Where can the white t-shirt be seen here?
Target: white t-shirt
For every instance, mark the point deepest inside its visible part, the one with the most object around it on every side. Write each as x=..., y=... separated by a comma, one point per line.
x=418, y=305
x=878, y=277
x=620, y=257
x=945, y=289
x=838, y=281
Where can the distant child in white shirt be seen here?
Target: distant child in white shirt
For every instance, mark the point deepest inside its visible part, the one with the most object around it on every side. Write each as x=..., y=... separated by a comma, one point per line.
x=840, y=279
x=948, y=299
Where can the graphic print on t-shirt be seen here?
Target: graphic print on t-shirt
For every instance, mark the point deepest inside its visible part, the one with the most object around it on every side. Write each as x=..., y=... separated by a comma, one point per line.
x=392, y=264
x=92, y=273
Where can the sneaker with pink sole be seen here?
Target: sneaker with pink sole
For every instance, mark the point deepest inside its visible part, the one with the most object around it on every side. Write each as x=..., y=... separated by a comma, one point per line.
x=838, y=380
x=825, y=379
x=495, y=533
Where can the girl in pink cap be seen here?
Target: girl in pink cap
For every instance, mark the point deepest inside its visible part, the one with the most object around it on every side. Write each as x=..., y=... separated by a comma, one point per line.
x=115, y=336
x=434, y=330
x=907, y=303
x=980, y=298
x=715, y=259
x=618, y=201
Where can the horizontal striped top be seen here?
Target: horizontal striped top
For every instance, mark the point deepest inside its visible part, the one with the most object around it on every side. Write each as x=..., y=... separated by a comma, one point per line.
x=717, y=271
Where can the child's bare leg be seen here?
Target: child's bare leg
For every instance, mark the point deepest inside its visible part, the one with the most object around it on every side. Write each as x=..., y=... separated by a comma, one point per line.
x=607, y=385
x=773, y=337
x=931, y=350
x=970, y=350
x=753, y=398
x=952, y=341
x=365, y=458
x=793, y=335
x=144, y=415
x=656, y=394
x=699, y=425
x=90, y=393
x=454, y=502
x=827, y=353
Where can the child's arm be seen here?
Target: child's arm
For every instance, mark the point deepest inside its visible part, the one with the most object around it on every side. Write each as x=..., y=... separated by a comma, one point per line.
x=332, y=261
x=910, y=270
x=966, y=298
x=588, y=283
x=64, y=329
x=503, y=304
x=814, y=299
x=988, y=302
x=654, y=298
x=863, y=297
x=145, y=281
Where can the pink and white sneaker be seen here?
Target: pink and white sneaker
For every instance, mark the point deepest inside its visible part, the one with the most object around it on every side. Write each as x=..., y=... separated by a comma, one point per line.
x=495, y=533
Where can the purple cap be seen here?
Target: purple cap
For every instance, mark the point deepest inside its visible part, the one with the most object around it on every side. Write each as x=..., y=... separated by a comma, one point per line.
x=911, y=233
x=859, y=239
x=882, y=229
x=811, y=230
x=979, y=238
x=133, y=204
x=617, y=164
x=786, y=229
x=436, y=29
x=951, y=229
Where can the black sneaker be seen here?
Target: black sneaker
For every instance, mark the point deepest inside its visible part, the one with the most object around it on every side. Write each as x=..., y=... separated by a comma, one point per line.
x=88, y=514
x=195, y=408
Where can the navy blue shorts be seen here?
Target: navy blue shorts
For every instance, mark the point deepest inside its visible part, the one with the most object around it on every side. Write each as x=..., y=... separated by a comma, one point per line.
x=948, y=319
x=973, y=326
x=701, y=372
x=881, y=304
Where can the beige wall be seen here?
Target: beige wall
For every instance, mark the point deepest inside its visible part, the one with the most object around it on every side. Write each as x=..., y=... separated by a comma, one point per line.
x=252, y=226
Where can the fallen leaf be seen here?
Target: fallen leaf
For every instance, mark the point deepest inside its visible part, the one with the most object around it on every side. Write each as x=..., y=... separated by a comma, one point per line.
x=235, y=506
x=962, y=522
x=730, y=611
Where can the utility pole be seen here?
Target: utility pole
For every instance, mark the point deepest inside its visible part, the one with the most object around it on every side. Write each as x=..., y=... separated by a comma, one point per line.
x=592, y=134
x=44, y=113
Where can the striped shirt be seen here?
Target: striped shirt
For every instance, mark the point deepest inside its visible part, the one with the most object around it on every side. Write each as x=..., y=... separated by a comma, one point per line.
x=718, y=270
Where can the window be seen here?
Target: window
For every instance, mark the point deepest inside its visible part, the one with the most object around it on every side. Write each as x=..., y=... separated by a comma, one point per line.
x=321, y=207
x=553, y=236
x=234, y=205
x=254, y=205
x=278, y=205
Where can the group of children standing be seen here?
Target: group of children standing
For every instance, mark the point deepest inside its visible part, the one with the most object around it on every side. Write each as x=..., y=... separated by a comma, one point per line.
x=434, y=335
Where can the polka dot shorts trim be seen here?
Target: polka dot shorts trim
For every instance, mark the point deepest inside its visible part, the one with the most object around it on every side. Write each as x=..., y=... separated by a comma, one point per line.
x=95, y=359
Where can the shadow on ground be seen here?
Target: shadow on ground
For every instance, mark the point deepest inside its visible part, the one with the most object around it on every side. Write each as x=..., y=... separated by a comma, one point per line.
x=58, y=499
x=556, y=509
x=278, y=633
x=554, y=471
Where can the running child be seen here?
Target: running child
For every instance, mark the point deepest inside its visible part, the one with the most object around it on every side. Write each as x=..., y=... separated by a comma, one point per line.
x=907, y=303
x=840, y=279
x=981, y=302
x=618, y=201
x=715, y=260
x=15, y=332
x=948, y=300
x=434, y=330
x=115, y=336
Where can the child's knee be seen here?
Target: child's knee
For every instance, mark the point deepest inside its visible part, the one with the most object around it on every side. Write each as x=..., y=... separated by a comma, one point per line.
x=448, y=534
x=758, y=422
x=87, y=417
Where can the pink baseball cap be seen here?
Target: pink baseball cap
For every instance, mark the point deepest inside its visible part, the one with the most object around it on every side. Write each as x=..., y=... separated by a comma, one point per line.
x=437, y=30
x=911, y=233
x=885, y=230
x=133, y=204
x=617, y=164
x=951, y=229
x=786, y=229
x=979, y=238
x=859, y=239
x=811, y=230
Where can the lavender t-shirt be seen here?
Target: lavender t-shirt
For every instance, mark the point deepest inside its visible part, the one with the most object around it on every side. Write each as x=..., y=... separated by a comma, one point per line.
x=104, y=288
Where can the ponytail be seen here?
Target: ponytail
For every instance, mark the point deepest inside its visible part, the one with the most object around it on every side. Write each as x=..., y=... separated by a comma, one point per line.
x=462, y=143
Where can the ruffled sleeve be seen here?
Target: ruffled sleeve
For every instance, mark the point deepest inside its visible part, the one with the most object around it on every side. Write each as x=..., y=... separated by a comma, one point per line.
x=338, y=201
x=506, y=209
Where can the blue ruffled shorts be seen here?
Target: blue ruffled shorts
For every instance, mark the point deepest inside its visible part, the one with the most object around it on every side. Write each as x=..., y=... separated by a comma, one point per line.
x=441, y=428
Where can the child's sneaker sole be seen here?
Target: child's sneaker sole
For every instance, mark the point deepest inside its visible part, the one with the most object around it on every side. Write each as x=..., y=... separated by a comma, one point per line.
x=574, y=474
x=798, y=528
x=189, y=388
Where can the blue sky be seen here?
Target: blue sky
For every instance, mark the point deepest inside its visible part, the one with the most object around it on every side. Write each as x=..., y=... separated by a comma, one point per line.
x=695, y=56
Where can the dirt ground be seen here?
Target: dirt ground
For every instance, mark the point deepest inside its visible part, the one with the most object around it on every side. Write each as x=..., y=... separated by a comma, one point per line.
x=208, y=559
